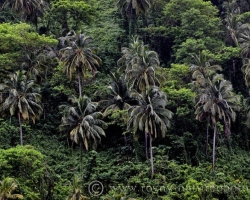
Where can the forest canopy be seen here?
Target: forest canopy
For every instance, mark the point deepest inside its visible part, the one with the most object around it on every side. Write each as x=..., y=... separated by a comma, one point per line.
x=124, y=99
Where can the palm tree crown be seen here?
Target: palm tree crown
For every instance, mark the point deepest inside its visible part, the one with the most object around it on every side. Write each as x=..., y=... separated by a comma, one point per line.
x=7, y=187
x=30, y=8
x=81, y=120
x=76, y=193
x=118, y=98
x=131, y=7
x=202, y=67
x=23, y=96
x=150, y=115
x=141, y=66
x=131, y=54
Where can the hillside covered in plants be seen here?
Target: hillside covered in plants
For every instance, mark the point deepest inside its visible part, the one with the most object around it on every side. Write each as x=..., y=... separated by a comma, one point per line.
x=124, y=99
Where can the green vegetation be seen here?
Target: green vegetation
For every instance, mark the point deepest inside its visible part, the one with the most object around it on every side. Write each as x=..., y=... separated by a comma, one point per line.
x=124, y=99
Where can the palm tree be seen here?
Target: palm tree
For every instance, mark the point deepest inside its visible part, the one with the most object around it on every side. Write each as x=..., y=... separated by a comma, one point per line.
x=118, y=98
x=150, y=116
x=239, y=32
x=215, y=100
x=33, y=65
x=232, y=26
x=244, y=40
x=7, y=187
x=141, y=66
x=246, y=70
x=232, y=10
x=133, y=8
x=28, y=8
x=76, y=194
x=82, y=122
x=130, y=54
x=202, y=67
x=145, y=72
x=79, y=58
x=244, y=43
x=24, y=99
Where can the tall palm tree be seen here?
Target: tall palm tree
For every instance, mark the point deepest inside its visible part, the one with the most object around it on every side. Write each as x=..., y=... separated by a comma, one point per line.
x=82, y=122
x=7, y=187
x=80, y=58
x=201, y=70
x=150, y=116
x=23, y=101
x=118, y=98
x=215, y=100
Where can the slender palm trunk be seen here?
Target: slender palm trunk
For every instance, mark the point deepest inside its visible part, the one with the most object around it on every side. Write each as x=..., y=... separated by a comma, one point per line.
x=36, y=23
x=145, y=24
x=65, y=26
x=81, y=154
x=145, y=20
x=207, y=136
x=130, y=28
x=125, y=140
x=146, y=145
x=44, y=108
x=21, y=17
x=132, y=25
x=215, y=130
x=151, y=155
x=20, y=128
x=234, y=67
x=79, y=83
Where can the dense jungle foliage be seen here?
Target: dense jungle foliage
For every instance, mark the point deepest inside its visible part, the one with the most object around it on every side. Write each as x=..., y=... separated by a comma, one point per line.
x=124, y=99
